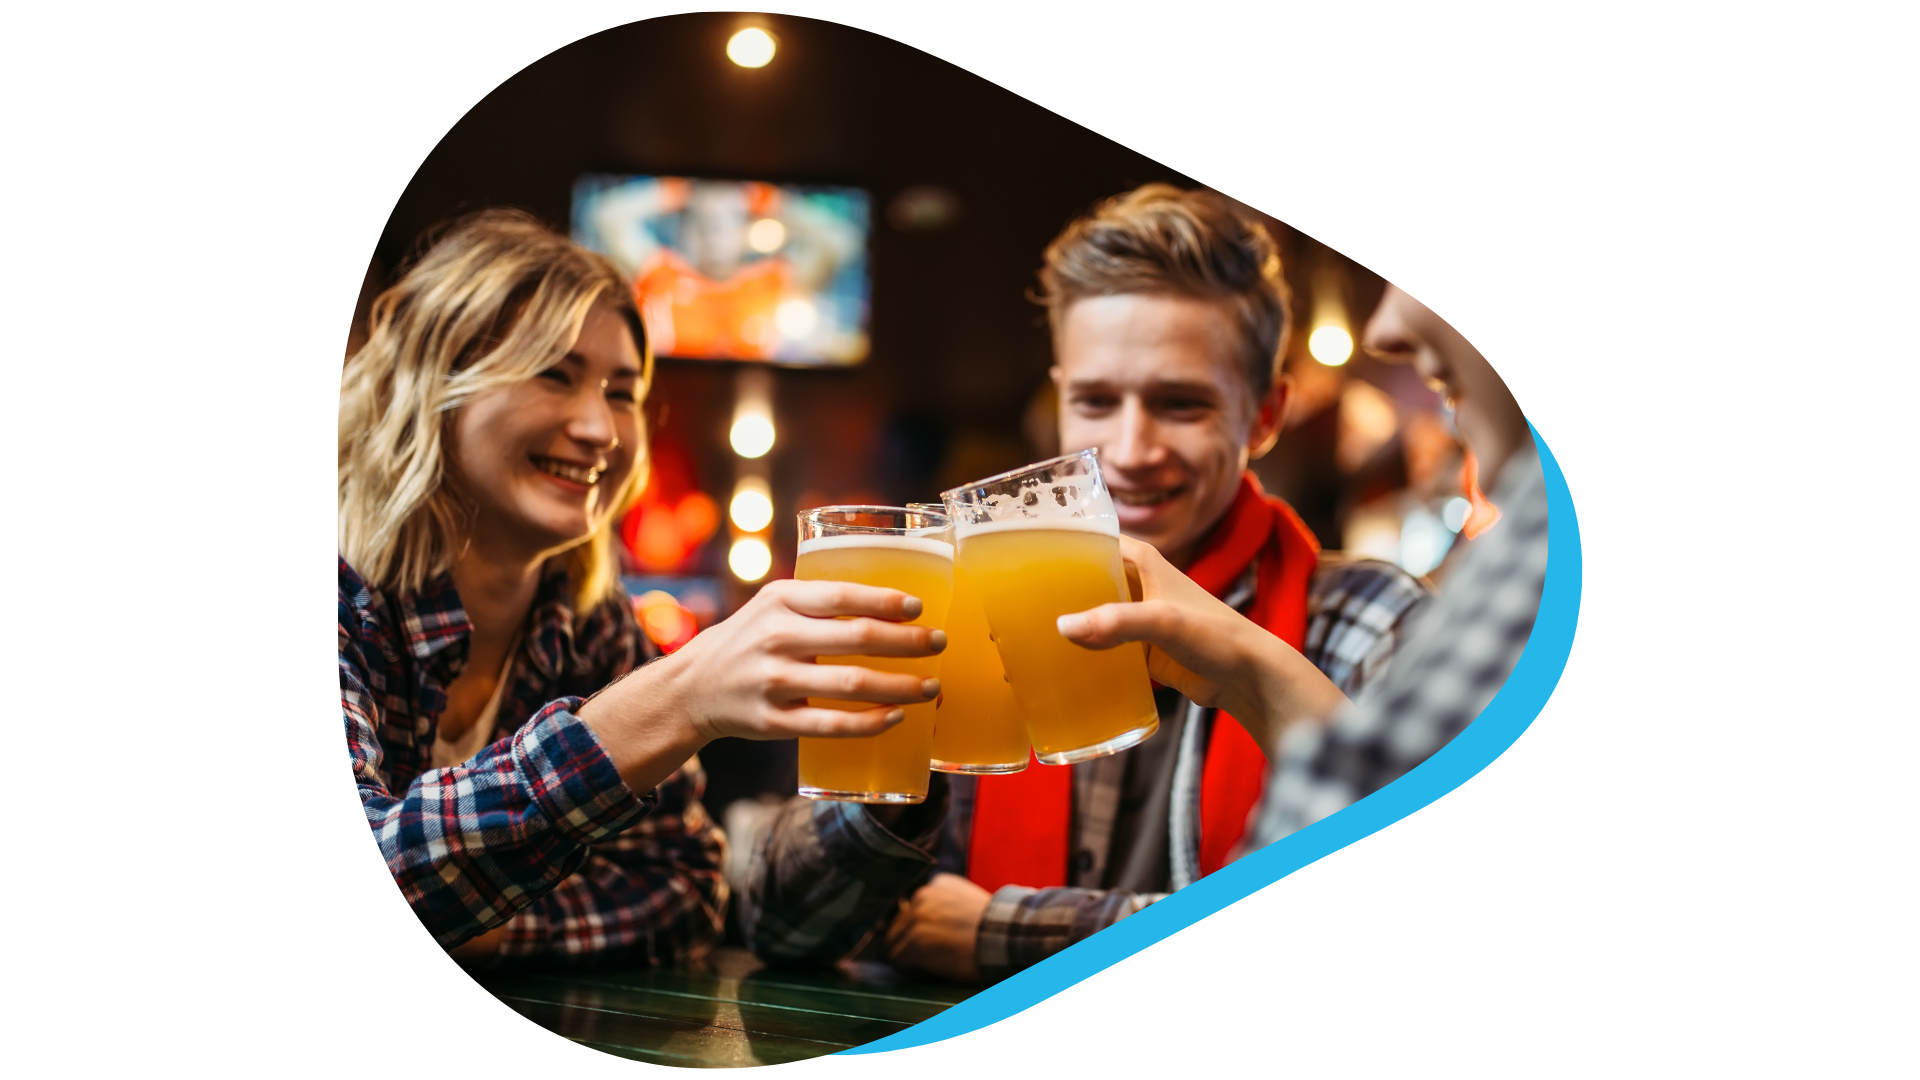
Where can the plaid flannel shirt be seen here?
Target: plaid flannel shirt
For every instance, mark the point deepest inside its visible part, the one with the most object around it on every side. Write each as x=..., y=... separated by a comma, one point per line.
x=827, y=875
x=1453, y=663
x=535, y=831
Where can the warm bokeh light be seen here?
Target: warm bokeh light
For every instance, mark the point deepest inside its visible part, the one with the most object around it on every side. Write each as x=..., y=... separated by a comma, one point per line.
x=665, y=620
x=1331, y=345
x=766, y=235
x=751, y=509
x=750, y=558
x=1368, y=421
x=751, y=48
x=698, y=516
x=752, y=434
x=1481, y=515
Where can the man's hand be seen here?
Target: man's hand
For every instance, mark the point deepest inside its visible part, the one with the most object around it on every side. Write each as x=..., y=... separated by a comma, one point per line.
x=938, y=927
x=1206, y=650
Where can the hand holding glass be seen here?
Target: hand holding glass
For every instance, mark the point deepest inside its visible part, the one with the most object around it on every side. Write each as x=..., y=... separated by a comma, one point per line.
x=1036, y=544
x=896, y=548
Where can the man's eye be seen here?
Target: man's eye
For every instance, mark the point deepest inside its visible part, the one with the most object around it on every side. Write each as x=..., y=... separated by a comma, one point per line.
x=625, y=396
x=1093, y=404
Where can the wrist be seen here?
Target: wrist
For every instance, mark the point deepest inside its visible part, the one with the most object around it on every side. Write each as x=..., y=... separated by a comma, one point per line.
x=1299, y=692
x=644, y=723
x=1248, y=695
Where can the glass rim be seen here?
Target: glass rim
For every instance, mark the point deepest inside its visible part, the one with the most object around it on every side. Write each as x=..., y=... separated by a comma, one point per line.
x=1091, y=451
x=805, y=515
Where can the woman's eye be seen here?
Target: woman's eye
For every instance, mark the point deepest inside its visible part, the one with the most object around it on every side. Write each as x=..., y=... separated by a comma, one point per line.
x=556, y=375
x=624, y=396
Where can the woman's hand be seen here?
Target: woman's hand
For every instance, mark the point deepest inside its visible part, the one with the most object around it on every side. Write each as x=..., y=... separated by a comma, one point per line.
x=751, y=675
x=1206, y=650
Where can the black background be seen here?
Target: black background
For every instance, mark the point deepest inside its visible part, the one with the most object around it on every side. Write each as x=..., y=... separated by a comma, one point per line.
x=1479, y=187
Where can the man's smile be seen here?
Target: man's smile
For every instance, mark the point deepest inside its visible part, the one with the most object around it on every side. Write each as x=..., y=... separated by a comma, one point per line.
x=1145, y=497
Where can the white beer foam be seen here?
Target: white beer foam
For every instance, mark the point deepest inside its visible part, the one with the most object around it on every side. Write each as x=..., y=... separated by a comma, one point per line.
x=1104, y=525
x=877, y=540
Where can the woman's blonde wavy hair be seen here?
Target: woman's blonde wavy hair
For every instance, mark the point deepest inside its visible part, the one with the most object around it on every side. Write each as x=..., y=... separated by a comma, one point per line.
x=497, y=299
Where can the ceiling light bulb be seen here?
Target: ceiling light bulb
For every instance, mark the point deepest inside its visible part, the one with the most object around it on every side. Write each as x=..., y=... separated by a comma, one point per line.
x=751, y=48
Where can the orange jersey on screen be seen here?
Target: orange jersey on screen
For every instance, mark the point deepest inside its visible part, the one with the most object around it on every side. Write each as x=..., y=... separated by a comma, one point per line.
x=690, y=314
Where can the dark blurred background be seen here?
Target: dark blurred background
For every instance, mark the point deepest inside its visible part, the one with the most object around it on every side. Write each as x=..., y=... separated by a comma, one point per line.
x=968, y=184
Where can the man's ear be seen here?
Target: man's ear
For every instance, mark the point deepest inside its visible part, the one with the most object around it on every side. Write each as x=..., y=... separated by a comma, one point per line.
x=1268, y=421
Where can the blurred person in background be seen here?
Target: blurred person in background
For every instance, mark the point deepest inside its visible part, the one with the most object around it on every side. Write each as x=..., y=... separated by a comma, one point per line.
x=1330, y=751
x=1169, y=320
x=533, y=788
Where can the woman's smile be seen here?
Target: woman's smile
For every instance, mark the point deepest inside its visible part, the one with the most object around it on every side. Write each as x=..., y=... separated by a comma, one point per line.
x=570, y=474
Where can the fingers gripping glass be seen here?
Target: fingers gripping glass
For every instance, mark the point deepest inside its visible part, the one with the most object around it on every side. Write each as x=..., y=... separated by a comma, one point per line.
x=1035, y=544
x=893, y=547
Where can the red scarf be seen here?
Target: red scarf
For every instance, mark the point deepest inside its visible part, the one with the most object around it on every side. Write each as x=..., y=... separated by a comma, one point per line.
x=1022, y=821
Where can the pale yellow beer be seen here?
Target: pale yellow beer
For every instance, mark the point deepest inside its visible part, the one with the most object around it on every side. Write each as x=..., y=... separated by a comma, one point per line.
x=978, y=726
x=890, y=767
x=1078, y=703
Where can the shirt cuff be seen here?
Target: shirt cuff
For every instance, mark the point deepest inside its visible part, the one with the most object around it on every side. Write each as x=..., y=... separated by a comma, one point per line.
x=572, y=779
x=1024, y=926
x=918, y=830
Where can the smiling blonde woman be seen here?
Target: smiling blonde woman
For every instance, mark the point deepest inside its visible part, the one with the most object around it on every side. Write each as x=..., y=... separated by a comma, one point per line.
x=490, y=434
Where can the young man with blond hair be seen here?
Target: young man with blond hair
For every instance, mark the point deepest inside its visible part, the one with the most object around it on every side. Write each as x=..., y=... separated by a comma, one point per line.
x=1169, y=320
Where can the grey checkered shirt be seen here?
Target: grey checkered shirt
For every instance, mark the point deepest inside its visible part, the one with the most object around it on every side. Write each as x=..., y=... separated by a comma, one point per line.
x=1452, y=664
x=827, y=875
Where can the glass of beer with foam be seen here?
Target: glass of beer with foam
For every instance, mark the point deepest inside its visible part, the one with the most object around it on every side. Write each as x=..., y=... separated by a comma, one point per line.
x=977, y=723
x=893, y=547
x=1036, y=544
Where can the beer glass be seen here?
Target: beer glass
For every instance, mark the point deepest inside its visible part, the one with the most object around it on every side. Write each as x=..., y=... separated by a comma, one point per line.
x=977, y=723
x=895, y=548
x=1035, y=544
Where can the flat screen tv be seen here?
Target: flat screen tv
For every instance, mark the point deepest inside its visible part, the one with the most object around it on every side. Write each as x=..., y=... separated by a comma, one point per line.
x=736, y=269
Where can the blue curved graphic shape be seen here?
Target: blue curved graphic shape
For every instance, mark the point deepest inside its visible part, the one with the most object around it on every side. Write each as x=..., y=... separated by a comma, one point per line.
x=1498, y=725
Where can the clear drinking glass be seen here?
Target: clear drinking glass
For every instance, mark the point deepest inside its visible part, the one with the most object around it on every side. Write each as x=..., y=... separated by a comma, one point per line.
x=977, y=723
x=896, y=548
x=1035, y=544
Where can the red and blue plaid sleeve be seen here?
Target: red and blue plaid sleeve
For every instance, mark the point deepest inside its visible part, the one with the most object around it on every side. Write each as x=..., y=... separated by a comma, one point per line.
x=473, y=844
x=651, y=895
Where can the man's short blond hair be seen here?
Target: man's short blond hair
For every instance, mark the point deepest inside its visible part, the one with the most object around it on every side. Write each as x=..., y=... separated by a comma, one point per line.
x=1159, y=239
x=497, y=299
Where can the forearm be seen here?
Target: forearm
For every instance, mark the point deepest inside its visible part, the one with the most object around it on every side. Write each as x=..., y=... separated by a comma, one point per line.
x=1024, y=926
x=1274, y=688
x=828, y=873
x=645, y=722
x=608, y=914
x=472, y=844
x=652, y=895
